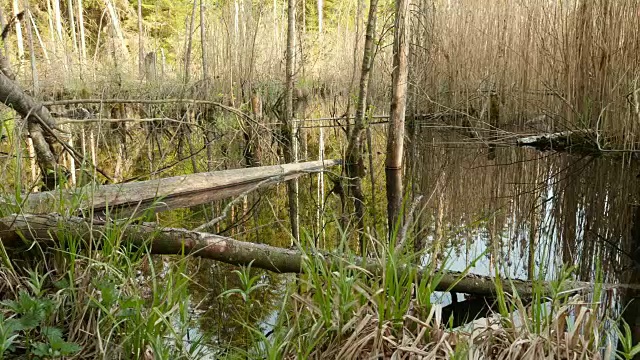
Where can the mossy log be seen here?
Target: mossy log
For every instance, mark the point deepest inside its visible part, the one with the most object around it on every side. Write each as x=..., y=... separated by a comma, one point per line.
x=18, y=231
x=129, y=199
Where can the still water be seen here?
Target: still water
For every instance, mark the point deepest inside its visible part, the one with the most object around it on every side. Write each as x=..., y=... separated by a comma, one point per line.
x=530, y=212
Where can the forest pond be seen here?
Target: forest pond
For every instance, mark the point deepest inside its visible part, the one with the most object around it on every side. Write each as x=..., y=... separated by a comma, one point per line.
x=530, y=211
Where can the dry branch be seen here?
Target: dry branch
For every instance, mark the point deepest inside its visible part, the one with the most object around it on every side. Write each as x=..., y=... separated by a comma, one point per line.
x=167, y=193
x=44, y=229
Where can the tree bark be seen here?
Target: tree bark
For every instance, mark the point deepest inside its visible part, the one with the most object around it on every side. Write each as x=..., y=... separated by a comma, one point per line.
x=141, y=71
x=35, y=115
x=288, y=136
x=115, y=21
x=32, y=53
x=187, y=55
x=44, y=229
x=167, y=193
x=203, y=43
x=320, y=16
x=395, y=137
x=72, y=26
x=355, y=161
x=83, y=44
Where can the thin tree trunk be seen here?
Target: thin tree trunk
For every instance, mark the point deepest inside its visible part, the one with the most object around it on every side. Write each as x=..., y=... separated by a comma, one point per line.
x=32, y=55
x=203, y=43
x=33, y=162
x=72, y=160
x=58, y=19
x=288, y=146
x=355, y=160
x=72, y=25
x=40, y=41
x=83, y=44
x=115, y=21
x=187, y=55
x=320, y=211
x=52, y=33
x=3, y=23
x=140, y=42
x=395, y=137
x=18, y=25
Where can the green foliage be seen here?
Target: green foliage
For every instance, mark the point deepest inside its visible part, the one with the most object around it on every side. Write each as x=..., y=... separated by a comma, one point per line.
x=629, y=350
x=29, y=314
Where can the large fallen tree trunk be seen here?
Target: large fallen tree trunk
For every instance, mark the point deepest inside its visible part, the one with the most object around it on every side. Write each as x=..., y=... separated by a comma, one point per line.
x=157, y=195
x=44, y=229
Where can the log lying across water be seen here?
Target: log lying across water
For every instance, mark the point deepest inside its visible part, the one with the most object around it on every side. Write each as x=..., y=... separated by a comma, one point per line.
x=127, y=199
x=578, y=141
x=172, y=241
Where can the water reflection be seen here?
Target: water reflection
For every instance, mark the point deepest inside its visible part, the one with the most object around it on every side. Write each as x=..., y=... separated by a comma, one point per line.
x=533, y=211
x=224, y=321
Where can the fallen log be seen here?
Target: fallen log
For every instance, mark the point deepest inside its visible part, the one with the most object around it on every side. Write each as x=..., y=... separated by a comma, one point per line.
x=129, y=199
x=578, y=141
x=44, y=229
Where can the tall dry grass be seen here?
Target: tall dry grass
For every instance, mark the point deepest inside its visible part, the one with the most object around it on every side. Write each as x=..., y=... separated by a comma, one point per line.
x=574, y=61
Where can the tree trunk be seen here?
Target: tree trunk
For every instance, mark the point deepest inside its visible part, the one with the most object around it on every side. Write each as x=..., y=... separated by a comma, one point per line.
x=58, y=19
x=32, y=54
x=141, y=71
x=395, y=137
x=187, y=55
x=288, y=138
x=18, y=25
x=3, y=23
x=83, y=44
x=115, y=21
x=52, y=32
x=355, y=161
x=42, y=46
x=203, y=43
x=320, y=16
x=72, y=26
x=172, y=241
x=35, y=115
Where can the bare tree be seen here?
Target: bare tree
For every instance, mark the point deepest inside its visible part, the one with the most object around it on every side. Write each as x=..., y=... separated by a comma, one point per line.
x=203, y=42
x=72, y=25
x=18, y=25
x=83, y=45
x=355, y=160
x=395, y=137
x=187, y=56
x=320, y=16
x=140, y=42
x=288, y=136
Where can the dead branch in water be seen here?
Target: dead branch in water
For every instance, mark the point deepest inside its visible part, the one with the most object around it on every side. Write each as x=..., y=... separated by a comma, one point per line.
x=45, y=228
x=127, y=199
